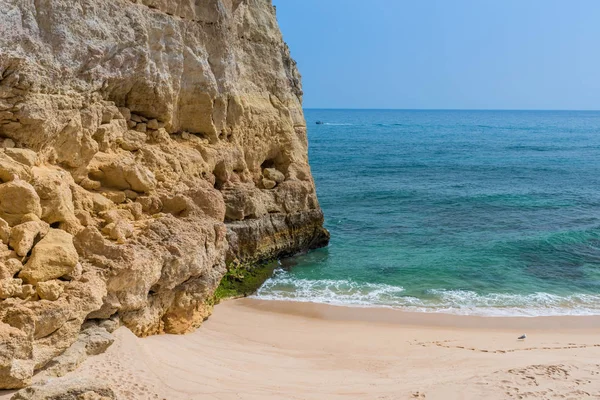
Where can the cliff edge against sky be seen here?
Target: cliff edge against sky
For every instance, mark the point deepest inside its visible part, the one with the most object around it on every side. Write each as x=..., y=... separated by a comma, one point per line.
x=146, y=145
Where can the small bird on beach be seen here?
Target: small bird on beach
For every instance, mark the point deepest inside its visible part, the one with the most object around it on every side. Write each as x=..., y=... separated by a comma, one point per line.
x=522, y=337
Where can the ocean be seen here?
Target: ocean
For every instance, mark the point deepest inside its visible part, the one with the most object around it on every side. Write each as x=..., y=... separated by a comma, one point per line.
x=469, y=212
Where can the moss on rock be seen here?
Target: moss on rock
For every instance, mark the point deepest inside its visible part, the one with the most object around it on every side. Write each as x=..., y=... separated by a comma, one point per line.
x=242, y=280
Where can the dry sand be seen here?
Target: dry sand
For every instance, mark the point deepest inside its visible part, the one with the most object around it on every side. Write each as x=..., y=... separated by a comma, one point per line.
x=252, y=349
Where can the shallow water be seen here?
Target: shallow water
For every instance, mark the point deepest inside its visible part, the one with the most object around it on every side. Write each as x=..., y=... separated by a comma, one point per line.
x=472, y=212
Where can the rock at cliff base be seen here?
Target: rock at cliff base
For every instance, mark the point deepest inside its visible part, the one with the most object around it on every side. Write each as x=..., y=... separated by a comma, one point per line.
x=119, y=231
x=92, y=340
x=54, y=188
x=18, y=198
x=4, y=231
x=27, y=292
x=23, y=236
x=10, y=288
x=49, y=290
x=11, y=169
x=8, y=268
x=53, y=257
x=67, y=389
x=23, y=156
x=16, y=365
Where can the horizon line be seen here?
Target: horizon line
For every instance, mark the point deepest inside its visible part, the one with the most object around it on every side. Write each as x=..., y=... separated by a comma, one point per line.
x=448, y=109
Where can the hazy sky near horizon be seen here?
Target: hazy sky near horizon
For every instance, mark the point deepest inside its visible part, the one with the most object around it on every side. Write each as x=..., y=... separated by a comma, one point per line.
x=465, y=54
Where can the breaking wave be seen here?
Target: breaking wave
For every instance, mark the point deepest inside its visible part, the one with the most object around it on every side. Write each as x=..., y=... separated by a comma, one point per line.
x=464, y=302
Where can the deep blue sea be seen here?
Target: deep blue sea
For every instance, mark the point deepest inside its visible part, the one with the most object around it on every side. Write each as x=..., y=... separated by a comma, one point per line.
x=469, y=212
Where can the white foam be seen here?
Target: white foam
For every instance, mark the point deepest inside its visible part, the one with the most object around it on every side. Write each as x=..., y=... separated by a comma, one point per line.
x=347, y=292
x=282, y=286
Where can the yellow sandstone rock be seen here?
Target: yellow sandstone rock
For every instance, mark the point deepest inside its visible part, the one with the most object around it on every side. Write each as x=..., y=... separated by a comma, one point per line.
x=27, y=292
x=53, y=257
x=143, y=149
x=18, y=198
x=4, y=231
x=274, y=175
x=10, y=288
x=8, y=268
x=49, y=290
x=16, y=357
x=23, y=236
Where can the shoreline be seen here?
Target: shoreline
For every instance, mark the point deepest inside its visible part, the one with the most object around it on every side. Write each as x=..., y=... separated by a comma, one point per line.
x=263, y=349
x=390, y=315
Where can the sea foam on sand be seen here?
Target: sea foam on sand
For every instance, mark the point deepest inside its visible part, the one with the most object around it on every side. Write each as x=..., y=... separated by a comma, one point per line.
x=286, y=287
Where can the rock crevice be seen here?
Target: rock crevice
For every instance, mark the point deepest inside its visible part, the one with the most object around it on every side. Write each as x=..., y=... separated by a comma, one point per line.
x=144, y=146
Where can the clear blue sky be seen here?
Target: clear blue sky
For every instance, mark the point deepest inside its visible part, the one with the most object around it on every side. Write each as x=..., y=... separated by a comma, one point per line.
x=465, y=54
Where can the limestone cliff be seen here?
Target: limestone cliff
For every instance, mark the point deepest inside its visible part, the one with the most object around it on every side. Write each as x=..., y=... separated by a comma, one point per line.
x=145, y=145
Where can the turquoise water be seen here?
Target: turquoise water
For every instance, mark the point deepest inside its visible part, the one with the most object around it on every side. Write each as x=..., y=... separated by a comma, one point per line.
x=471, y=212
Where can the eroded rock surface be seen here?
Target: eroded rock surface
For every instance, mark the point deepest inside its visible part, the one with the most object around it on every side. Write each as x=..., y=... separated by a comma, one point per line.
x=144, y=145
x=67, y=389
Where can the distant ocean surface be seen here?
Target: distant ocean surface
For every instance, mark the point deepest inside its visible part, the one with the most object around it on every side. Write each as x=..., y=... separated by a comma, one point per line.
x=469, y=212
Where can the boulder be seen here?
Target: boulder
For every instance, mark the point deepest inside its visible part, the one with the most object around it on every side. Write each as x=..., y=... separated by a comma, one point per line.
x=49, y=316
x=11, y=169
x=4, y=231
x=23, y=156
x=92, y=340
x=135, y=209
x=268, y=184
x=125, y=112
x=152, y=124
x=116, y=215
x=109, y=134
x=274, y=175
x=130, y=194
x=27, y=292
x=10, y=287
x=9, y=268
x=141, y=127
x=121, y=171
x=115, y=196
x=54, y=188
x=133, y=140
x=49, y=290
x=119, y=231
x=210, y=201
x=53, y=257
x=23, y=236
x=16, y=364
x=101, y=203
x=67, y=389
x=18, y=198
x=75, y=274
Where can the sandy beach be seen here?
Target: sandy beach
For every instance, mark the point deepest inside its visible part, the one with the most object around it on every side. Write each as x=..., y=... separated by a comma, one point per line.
x=252, y=349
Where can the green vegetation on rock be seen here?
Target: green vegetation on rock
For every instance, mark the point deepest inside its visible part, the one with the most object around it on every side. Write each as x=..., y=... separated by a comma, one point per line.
x=243, y=279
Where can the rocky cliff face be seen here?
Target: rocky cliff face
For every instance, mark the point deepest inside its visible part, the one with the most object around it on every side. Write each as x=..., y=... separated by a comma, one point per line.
x=145, y=145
